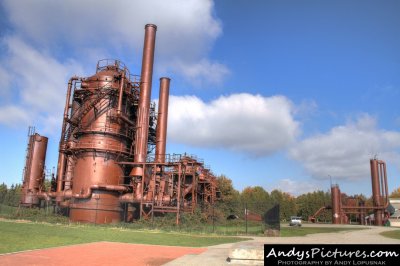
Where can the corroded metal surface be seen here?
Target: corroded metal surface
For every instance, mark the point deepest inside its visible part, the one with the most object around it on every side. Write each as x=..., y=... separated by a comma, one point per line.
x=108, y=170
x=162, y=119
x=34, y=170
x=380, y=198
x=336, y=210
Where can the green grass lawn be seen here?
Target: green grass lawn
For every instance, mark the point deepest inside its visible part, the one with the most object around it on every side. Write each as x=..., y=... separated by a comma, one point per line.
x=392, y=234
x=257, y=229
x=302, y=231
x=16, y=236
x=24, y=236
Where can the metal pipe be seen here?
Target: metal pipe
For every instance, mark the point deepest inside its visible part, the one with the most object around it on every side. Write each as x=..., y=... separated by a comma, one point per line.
x=151, y=185
x=139, y=190
x=126, y=119
x=44, y=195
x=336, y=208
x=61, y=156
x=382, y=187
x=88, y=192
x=386, y=184
x=142, y=131
x=162, y=120
x=161, y=191
x=178, y=200
x=364, y=208
x=188, y=189
x=127, y=198
x=121, y=92
x=376, y=191
x=68, y=174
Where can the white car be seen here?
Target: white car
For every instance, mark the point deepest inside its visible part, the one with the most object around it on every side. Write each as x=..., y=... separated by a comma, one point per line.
x=295, y=221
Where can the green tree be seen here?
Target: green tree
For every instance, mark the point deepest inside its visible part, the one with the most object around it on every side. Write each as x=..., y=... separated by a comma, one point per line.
x=3, y=192
x=309, y=203
x=287, y=204
x=395, y=193
x=229, y=202
x=256, y=199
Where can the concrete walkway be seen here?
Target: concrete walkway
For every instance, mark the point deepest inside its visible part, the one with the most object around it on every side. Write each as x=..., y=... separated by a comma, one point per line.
x=217, y=255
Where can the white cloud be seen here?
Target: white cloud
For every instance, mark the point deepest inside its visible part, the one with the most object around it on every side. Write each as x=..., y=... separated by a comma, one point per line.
x=39, y=82
x=4, y=82
x=296, y=188
x=344, y=151
x=42, y=79
x=49, y=41
x=13, y=116
x=241, y=122
x=187, y=29
x=201, y=72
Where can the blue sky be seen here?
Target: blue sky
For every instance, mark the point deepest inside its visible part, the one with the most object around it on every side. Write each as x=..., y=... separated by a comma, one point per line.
x=281, y=94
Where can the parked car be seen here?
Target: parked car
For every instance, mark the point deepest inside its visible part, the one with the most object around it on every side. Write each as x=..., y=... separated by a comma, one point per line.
x=295, y=221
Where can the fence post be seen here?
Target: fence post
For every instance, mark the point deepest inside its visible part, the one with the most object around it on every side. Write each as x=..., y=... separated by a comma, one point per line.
x=245, y=215
x=213, y=218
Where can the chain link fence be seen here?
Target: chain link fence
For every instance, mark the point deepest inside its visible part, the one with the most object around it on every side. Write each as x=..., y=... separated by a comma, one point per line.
x=247, y=219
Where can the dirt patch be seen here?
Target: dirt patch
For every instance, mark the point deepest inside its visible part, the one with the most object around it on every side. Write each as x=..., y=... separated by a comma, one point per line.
x=100, y=253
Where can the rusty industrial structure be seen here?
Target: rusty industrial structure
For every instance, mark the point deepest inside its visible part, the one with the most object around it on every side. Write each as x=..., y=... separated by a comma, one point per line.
x=34, y=170
x=112, y=163
x=343, y=207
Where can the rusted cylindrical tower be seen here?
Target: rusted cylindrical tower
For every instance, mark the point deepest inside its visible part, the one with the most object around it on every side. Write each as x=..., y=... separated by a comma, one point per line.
x=336, y=211
x=101, y=137
x=162, y=119
x=34, y=170
x=376, y=191
x=142, y=132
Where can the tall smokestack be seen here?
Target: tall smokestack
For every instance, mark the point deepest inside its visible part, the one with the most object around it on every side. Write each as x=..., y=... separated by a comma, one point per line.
x=162, y=120
x=336, y=212
x=144, y=99
x=376, y=191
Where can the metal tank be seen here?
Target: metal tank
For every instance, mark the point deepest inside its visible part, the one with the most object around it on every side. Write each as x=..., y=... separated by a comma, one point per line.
x=108, y=119
x=99, y=134
x=112, y=163
x=33, y=176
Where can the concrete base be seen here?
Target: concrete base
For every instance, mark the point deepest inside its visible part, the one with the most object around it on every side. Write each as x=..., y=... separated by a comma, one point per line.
x=247, y=254
x=272, y=233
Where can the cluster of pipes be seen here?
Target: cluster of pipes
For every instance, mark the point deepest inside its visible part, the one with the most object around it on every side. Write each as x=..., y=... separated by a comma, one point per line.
x=341, y=209
x=112, y=163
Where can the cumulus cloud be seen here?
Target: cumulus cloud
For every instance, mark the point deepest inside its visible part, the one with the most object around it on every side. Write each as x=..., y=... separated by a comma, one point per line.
x=295, y=187
x=42, y=79
x=187, y=28
x=11, y=115
x=244, y=122
x=4, y=82
x=47, y=42
x=344, y=151
x=39, y=82
x=201, y=72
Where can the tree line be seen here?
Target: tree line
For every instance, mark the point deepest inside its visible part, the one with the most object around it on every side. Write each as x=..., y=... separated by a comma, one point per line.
x=254, y=199
x=257, y=200
x=10, y=195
